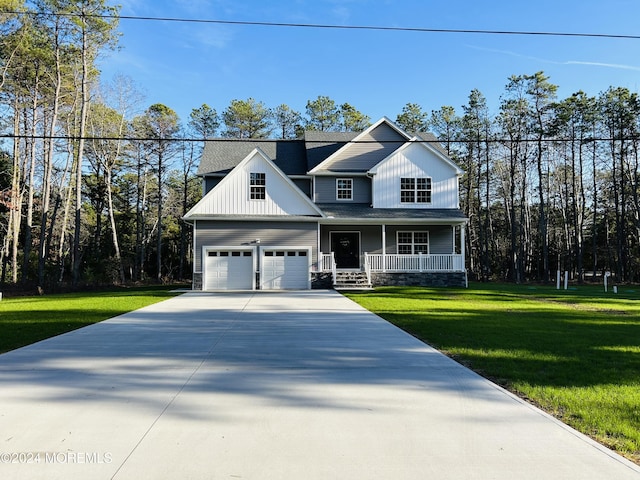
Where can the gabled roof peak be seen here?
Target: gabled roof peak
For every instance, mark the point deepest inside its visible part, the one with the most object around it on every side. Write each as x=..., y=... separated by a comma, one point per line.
x=366, y=149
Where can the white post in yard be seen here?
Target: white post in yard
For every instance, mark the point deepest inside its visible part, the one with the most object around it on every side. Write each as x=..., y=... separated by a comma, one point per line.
x=558, y=280
x=566, y=279
x=606, y=276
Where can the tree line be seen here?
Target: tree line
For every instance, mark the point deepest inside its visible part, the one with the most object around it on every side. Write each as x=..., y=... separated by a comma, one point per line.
x=93, y=185
x=550, y=184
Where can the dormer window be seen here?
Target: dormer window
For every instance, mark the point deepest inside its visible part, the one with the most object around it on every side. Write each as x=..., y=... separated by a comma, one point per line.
x=257, y=185
x=344, y=189
x=415, y=190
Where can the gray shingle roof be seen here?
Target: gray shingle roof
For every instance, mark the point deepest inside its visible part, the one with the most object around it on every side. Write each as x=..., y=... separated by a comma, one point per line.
x=369, y=149
x=432, y=140
x=361, y=210
x=321, y=145
x=293, y=157
x=222, y=155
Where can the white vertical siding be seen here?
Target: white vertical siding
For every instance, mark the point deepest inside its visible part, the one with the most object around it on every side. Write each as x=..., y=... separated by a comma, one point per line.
x=413, y=162
x=232, y=195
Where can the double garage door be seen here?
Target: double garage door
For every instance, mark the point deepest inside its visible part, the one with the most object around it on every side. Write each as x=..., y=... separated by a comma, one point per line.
x=278, y=269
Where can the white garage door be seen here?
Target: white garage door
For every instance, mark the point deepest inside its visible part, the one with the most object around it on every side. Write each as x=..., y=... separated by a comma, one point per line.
x=228, y=270
x=285, y=269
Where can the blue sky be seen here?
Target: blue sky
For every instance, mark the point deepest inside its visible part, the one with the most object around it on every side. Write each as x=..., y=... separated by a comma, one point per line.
x=184, y=65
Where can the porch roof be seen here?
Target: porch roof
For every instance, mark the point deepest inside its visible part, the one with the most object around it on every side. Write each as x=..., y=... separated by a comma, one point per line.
x=355, y=212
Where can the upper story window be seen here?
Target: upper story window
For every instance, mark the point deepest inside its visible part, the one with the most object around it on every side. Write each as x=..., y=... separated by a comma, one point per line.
x=257, y=185
x=344, y=189
x=415, y=190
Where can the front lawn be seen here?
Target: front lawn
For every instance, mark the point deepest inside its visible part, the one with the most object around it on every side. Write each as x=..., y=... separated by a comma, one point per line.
x=25, y=320
x=574, y=353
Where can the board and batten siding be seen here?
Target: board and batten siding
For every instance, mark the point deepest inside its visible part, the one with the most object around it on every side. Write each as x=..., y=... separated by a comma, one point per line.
x=326, y=189
x=230, y=234
x=232, y=195
x=415, y=161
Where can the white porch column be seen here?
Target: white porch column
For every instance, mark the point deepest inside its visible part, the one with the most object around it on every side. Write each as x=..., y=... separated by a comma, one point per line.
x=462, y=245
x=384, y=248
x=318, y=248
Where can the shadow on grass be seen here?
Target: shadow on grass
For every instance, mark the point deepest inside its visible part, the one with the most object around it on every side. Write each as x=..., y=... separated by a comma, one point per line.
x=26, y=320
x=535, y=338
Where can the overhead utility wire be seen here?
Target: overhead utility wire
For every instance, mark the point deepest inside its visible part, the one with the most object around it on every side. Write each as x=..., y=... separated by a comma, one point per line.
x=273, y=140
x=346, y=27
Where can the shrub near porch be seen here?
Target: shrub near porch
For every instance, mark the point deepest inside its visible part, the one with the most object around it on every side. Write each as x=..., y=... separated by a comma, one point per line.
x=574, y=353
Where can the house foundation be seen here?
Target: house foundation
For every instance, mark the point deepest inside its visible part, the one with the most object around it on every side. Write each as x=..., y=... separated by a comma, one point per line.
x=415, y=279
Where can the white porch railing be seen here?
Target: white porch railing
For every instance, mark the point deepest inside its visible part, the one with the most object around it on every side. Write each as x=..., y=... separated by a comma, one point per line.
x=375, y=262
x=326, y=262
x=415, y=263
x=367, y=267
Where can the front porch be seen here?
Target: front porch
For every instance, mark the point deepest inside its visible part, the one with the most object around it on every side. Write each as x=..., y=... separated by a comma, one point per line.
x=391, y=246
x=395, y=269
x=389, y=262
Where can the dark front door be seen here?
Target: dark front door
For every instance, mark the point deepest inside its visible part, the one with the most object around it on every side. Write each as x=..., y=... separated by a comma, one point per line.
x=346, y=249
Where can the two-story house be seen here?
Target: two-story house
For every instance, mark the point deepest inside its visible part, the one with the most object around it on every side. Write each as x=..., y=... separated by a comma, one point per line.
x=379, y=207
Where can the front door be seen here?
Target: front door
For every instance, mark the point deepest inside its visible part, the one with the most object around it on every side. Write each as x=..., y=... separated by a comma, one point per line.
x=346, y=249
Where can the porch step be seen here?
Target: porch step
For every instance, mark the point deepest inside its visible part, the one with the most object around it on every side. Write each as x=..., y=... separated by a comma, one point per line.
x=351, y=281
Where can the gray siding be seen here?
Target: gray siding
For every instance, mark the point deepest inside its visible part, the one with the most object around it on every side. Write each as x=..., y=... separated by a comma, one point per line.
x=326, y=190
x=441, y=240
x=440, y=237
x=370, y=150
x=210, y=183
x=304, y=185
x=228, y=233
x=370, y=237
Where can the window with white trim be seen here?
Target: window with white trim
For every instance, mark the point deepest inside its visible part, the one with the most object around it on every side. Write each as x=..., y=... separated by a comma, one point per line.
x=412, y=243
x=344, y=189
x=415, y=190
x=257, y=185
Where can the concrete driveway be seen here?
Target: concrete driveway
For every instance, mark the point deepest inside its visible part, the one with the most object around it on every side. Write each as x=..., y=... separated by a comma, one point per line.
x=296, y=385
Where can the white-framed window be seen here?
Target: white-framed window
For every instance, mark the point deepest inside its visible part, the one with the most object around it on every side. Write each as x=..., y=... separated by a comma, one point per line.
x=257, y=185
x=415, y=190
x=412, y=243
x=344, y=189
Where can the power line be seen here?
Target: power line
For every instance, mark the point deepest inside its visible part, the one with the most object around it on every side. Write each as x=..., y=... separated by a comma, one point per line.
x=323, y=142
x=345, y=27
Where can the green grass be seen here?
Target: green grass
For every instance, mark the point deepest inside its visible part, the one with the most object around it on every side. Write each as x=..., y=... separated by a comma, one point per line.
x=574, y=353
x=26, y=320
